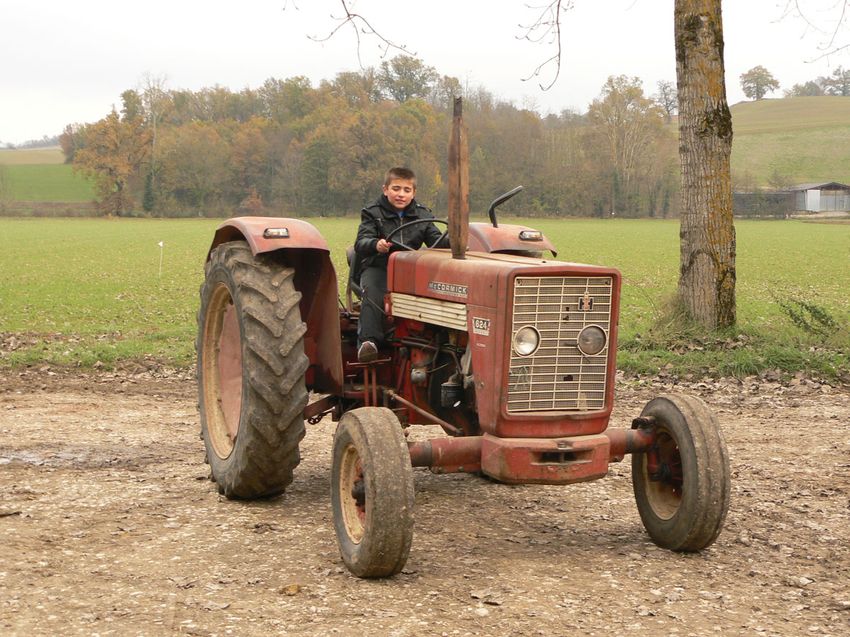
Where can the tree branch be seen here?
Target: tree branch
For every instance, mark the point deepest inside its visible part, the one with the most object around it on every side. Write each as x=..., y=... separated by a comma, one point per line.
x=792, y=7
x=547, y=27
x=359, y=25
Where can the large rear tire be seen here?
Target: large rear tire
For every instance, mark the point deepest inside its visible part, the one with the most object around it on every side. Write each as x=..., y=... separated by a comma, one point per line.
x=251, y=367
x=683, y=503
x=372, y=492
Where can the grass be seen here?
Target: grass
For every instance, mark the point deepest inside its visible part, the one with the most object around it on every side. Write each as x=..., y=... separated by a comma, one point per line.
x=44, y=182
x=81, y=291
x=92, y=288
x=790, y=114
x=818, y=155
x=805, y=138
x=17, y=157
x=40, y=174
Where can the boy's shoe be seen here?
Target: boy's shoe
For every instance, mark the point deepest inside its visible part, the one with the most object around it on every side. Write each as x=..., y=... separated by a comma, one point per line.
x=367, y=352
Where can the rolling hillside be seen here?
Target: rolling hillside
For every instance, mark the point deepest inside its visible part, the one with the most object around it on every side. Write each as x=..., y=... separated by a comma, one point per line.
x=807, y=139
x=30, y=156
x=40, y=175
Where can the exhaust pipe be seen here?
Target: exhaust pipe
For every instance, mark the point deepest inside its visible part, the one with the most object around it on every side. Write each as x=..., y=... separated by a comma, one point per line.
x=458, y=184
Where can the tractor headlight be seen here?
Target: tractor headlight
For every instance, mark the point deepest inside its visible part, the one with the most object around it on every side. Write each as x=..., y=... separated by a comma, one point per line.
x=530, y=235
x=276, y=233
x=526, y=340
x=591, y=340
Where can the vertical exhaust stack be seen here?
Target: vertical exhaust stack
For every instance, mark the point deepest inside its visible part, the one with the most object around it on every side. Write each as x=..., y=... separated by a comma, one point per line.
x=458, y=184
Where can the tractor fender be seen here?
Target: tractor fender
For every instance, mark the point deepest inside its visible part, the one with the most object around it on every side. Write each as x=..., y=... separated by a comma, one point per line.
x=299, y=245
x=259, y=233
x=483, y=237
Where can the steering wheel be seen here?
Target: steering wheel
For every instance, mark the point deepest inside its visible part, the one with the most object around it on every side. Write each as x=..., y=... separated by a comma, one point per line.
x=404, y=246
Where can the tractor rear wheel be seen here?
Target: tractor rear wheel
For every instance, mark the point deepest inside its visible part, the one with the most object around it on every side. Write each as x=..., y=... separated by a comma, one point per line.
x=372, y=492
x=682, y=483
x=251, y=367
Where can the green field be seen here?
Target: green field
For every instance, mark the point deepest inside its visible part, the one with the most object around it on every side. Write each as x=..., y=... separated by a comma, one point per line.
x=40, y=174
x=21, y=156
x=790, y=114
x=83, y=291
x=805, y=138
x=44, y=182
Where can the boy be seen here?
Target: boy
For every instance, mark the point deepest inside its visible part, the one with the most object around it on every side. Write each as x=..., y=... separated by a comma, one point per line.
x=395, y=207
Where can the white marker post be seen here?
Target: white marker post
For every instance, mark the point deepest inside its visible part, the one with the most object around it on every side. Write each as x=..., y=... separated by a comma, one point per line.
x=161, y=245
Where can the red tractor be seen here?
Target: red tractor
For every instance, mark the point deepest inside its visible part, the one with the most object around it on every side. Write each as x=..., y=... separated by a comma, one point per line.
x=510, y=352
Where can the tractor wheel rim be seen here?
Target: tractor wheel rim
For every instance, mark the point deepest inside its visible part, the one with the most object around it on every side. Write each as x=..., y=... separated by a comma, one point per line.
x=351, y=479
x=223, y=367
x=665, y=494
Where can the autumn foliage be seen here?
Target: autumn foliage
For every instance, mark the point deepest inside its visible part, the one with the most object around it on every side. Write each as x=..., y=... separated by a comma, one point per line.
x=115, y=149
x=288, y=147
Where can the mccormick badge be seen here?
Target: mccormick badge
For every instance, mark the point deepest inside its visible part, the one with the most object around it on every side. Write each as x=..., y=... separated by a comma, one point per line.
x=449, y=289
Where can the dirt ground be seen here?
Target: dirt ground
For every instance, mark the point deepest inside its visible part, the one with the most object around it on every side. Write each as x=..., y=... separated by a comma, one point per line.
x=109, y=526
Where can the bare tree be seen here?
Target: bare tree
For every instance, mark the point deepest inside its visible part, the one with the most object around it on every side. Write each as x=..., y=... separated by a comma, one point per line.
x=667, y=98
x=630, y=122
x=779, y=179
x=154, y=100
x=835, y=22
x=359, y=25
x=546, y=28
x=707, y=235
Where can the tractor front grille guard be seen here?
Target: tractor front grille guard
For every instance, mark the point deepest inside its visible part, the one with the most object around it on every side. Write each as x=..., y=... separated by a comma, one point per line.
x=557, y=376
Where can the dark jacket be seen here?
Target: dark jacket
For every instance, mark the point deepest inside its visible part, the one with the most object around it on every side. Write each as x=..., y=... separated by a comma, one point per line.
x=379, y=219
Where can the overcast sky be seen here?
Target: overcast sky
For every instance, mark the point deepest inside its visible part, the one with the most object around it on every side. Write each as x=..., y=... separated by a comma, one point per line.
x=68, y=61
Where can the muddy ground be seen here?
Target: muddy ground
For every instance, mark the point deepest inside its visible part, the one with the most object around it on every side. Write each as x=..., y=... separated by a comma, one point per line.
x=109, y=526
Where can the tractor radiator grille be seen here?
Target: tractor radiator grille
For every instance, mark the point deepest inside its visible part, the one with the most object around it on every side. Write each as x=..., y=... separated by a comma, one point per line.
x=428, y=310
x=558, y=377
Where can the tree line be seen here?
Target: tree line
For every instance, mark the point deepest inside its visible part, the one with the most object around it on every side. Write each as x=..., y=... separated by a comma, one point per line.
x=758, y=82
x=45, y=142
x=289, y=147
x=837, y=83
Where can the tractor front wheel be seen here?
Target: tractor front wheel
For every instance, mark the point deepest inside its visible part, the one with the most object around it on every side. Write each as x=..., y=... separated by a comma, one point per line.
x=682, y=483
x=251, y=366
x=372, y=492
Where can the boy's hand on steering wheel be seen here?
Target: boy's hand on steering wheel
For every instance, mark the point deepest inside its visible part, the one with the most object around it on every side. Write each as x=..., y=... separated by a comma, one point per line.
x=383, y=246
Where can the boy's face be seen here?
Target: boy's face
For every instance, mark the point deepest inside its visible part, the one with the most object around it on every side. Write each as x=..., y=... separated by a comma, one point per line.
x=400, y=192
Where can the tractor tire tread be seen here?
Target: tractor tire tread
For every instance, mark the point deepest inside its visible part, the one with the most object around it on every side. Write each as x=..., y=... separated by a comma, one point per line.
x=271, y=424
x=705, y=501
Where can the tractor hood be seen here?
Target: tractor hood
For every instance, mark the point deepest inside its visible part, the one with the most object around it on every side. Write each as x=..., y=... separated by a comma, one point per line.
x=492, y=297
x=481, y=279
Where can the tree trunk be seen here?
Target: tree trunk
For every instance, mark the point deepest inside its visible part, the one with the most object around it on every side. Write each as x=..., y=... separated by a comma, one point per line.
x=707, y=234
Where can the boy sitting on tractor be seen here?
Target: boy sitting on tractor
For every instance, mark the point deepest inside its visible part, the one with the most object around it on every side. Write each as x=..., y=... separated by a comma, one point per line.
x=396, y=207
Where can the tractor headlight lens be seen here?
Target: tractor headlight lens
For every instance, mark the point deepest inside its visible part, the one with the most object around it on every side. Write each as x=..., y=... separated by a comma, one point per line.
x=591, y=340
x=530, y=235
x=526, y=340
